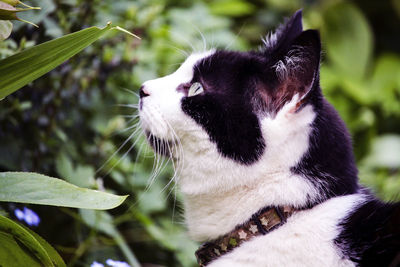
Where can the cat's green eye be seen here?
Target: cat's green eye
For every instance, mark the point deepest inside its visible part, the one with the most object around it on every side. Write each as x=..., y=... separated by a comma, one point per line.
x=195, y=89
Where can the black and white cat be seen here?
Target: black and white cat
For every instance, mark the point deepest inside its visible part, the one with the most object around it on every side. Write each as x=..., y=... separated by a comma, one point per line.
x=250, y=130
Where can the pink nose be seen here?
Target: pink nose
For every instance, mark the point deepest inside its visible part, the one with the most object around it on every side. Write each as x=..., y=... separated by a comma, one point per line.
x=143, y=92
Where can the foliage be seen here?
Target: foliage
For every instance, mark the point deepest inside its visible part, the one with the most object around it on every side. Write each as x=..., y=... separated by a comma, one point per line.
x=22, y=245
x=71, y=122
x=26, y=66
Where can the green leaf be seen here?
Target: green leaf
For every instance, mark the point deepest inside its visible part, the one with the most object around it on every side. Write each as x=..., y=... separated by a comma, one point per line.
x=153, y=200
x=17, y=2
x=11, y=2
x=7, y=12
x=82, y=175
x=385, y=83
x=385, y=152
x=12, y=254
x=5, y=29
x=26, y=187
x=231, y=8
x=53, y=254
x=26, y=66
x=32, y=250
x=348, y=39
x=103, y=222
x=99, y=220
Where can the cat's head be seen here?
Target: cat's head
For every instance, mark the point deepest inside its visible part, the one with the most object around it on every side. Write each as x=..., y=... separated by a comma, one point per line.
x=240, y=116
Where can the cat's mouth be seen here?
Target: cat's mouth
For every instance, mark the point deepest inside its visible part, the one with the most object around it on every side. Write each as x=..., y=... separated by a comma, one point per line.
x=161, y=146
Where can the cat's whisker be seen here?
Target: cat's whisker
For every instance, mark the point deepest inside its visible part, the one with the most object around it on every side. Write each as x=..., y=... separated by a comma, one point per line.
x=157, y=161
x=185, y=40
x=234, y=39
x=113, y=155
x=130, y=91
x=155, y=155
x=122, y=158
x=180, y=50
x=173, y=205
x=130, y=116
x=135, y=125
x=183, y=52
x=140, y=148
x=202, y=36
x=173, y=164
x=175, y=64
x=178, y=146
x=134, y=106
x=133, y=118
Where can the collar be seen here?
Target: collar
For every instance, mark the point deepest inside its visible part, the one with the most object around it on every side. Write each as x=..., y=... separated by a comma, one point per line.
x=261, y=223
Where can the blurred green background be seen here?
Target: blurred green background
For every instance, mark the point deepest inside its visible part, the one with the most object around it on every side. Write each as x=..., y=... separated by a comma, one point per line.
x=70, y=122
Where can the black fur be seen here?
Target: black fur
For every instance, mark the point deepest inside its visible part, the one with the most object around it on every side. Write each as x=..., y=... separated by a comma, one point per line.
x=329, y=163
x=224, y=110
x=371, y=234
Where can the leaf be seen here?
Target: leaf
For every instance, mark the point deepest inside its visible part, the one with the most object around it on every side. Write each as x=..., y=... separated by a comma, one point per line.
x=53, y=254
x=11, y=2
x=34, y=249
x=152, y=200
x=12, y=254
x=7, y=12
x=99, y=220
x=231, y=8
x=82, y=175
x=348, y=39
x=385, y=83
x=5, y=29
x=26, y=187
x=385, y=152
x=26, y=66
x=103, y=222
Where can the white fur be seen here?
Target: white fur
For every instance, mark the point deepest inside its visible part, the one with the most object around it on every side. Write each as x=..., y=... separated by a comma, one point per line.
x=162, y=107
x=270, y=40
x=220, y=193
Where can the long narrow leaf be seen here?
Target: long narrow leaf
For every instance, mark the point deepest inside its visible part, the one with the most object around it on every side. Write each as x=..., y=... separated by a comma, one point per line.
x=26, y=187
x=26, y=66
x=26, y=238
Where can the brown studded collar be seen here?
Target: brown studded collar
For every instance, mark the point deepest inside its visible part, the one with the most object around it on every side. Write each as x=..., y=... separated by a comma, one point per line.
x=261, y=223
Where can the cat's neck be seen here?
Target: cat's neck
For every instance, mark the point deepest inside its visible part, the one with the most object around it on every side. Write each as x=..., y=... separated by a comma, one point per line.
x=219, y=193
x=210, y=215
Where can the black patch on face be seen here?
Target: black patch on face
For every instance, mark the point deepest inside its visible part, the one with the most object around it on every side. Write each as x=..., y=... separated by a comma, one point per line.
x=370, y=235
x=224, y=109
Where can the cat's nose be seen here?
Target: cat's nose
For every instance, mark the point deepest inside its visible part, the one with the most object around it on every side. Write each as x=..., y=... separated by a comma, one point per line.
x=143, y=92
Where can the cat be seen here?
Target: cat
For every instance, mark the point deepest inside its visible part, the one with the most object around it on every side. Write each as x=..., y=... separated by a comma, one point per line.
x=250, y=133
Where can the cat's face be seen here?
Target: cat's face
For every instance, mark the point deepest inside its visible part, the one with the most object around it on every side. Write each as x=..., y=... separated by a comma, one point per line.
x=236, y=113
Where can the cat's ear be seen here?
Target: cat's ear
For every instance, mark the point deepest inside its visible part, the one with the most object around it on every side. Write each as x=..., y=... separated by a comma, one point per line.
x=284, y=35
x=298, y=70
x=294, y=72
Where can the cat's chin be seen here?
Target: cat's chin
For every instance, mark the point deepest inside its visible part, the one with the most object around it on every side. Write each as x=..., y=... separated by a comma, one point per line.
x=160, y=146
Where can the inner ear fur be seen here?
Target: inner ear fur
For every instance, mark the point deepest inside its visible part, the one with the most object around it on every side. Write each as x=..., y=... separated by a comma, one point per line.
x=294, y=72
